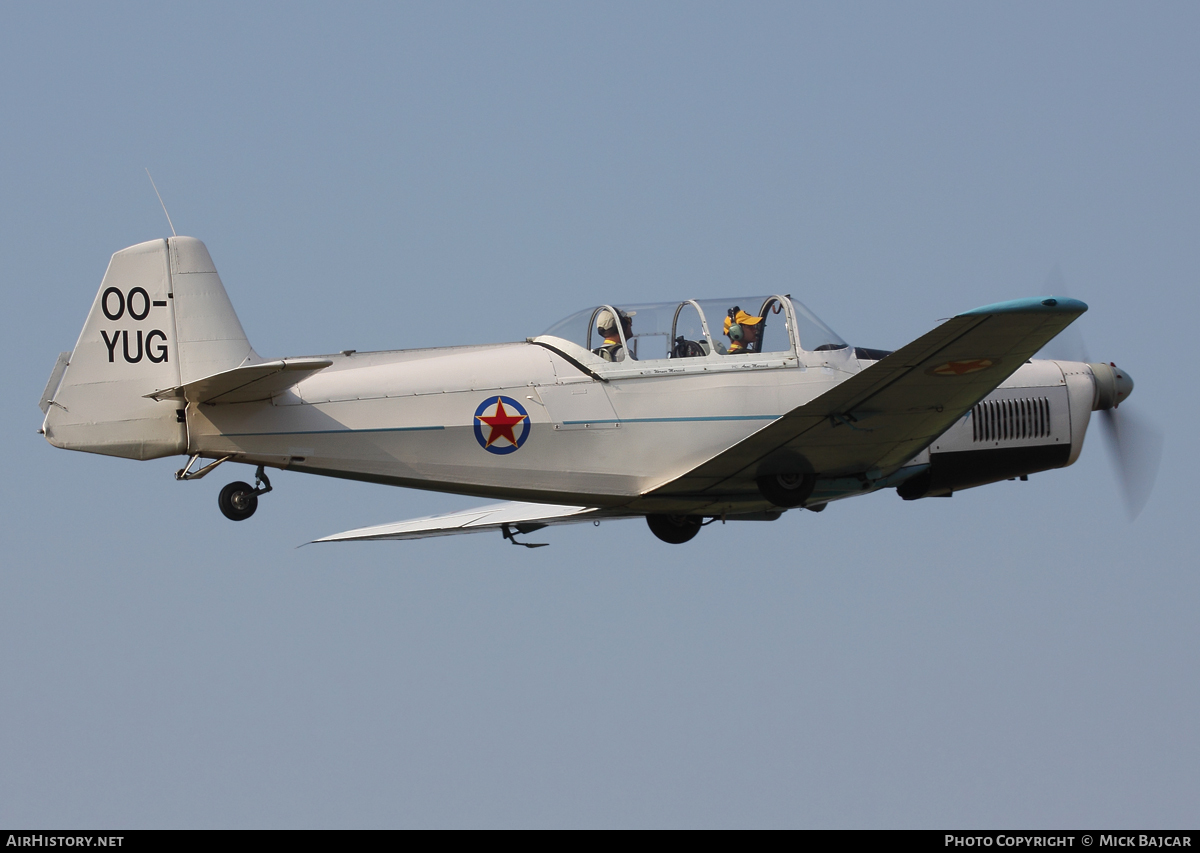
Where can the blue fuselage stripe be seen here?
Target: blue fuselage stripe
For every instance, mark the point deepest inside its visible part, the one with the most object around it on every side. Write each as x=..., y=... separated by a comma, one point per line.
x=676, y=420
x=337, y=431
x=424, y=428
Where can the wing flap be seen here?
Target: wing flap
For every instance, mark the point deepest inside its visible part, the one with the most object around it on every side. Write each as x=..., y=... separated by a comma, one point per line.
x=880, y=418
x=515, y=515
x=246, y=384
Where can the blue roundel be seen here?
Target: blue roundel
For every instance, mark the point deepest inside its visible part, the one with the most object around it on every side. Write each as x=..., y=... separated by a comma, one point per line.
x=501, y=425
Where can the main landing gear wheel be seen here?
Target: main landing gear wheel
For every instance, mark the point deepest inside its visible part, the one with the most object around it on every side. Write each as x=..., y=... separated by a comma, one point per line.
x=787, y=490
x=675, y=529
x=238, y=501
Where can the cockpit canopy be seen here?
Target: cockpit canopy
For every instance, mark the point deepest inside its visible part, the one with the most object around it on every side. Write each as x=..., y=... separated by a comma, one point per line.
x=697, y=328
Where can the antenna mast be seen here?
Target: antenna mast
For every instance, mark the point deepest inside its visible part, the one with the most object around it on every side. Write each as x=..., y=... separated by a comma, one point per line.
x=160, y=201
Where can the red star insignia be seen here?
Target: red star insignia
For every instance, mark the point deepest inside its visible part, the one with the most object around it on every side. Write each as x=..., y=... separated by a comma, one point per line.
x=958, y=368
x=502, y=424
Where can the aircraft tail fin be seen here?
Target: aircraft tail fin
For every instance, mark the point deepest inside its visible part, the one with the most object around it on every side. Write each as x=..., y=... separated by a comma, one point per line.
x=161, y=318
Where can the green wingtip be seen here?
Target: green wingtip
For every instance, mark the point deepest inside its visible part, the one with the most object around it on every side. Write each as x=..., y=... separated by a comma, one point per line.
x=1033, y=305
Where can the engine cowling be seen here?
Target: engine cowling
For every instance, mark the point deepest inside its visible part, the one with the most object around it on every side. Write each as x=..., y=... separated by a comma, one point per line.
x=1033, y=422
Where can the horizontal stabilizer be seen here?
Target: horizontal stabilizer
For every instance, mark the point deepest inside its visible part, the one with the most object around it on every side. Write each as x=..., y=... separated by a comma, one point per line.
x=245, y=384
x=518, y=517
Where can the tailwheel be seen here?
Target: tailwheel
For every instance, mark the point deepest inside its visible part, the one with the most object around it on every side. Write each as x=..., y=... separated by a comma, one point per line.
x=675, y=529
x=239, y=500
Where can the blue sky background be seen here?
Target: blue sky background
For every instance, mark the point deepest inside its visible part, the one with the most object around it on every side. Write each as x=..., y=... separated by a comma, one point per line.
x=378, y=176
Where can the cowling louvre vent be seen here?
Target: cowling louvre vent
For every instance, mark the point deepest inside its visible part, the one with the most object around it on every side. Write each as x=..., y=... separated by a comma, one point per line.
x=1010, y=420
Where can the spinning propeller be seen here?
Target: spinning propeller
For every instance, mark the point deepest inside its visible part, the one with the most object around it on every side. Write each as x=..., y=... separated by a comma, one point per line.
x=1134, y=445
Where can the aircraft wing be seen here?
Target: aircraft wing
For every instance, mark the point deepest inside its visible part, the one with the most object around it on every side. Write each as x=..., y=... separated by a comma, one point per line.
x=509, y=518
x=245, y=384
x=880, y=418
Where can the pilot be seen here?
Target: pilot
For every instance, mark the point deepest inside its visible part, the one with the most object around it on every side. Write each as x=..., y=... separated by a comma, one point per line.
x=743, y=331
x=606, y=325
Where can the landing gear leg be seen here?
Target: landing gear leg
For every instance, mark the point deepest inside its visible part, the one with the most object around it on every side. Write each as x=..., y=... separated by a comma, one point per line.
x=239, y=500
x=261, y=484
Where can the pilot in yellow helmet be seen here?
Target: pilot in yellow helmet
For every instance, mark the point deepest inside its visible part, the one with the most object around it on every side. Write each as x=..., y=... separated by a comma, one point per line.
x=743, y=330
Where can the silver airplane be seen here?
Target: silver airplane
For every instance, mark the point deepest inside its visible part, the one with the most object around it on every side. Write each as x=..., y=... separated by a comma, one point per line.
x=682, y=413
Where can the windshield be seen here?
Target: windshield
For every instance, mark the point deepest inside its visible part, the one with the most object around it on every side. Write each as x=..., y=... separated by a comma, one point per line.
x=815, y=336
x=697, y=328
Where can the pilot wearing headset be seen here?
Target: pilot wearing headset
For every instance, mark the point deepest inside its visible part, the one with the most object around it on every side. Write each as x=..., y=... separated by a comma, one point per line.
x=606, y=325
x=743, y=331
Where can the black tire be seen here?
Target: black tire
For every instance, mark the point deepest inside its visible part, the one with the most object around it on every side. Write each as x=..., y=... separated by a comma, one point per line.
x=675, y=529
x=238, y=501
x=787, y=490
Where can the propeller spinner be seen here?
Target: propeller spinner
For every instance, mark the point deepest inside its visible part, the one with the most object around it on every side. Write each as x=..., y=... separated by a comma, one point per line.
x=1135, y=446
